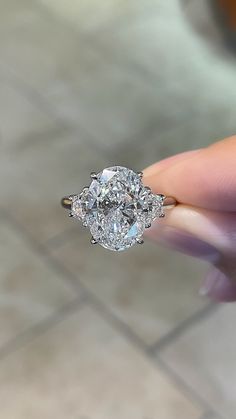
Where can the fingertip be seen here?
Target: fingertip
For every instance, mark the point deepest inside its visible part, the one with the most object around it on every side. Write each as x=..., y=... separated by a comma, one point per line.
x=202, y=178
x=155, y=168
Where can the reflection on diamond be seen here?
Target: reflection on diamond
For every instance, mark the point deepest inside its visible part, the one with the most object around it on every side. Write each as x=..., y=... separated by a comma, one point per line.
x=106, y=175
x=133, y=231
x=117, y=207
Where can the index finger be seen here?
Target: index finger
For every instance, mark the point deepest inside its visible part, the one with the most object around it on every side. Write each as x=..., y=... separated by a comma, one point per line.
x=204, y=179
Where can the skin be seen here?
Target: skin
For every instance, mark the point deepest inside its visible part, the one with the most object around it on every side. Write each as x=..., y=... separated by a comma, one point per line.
x=203, y=224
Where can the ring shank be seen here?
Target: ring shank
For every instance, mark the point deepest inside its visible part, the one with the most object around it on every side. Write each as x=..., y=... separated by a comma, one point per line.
x=66, y=202
x=169, y=202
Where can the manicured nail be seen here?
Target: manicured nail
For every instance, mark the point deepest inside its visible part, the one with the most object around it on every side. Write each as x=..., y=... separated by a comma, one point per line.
x=184, y=242
x=218, y=287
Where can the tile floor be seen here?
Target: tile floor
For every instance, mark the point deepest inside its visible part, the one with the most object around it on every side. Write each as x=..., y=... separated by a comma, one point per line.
x=86, y=334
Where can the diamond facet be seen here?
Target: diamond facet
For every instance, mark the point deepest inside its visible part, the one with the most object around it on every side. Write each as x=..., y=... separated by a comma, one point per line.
x=117, y=207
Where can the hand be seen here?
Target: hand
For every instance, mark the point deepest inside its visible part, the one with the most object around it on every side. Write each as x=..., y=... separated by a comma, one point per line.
x=203, y=224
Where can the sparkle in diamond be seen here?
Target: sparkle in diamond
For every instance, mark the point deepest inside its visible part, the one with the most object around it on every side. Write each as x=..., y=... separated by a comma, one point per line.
x=117, y=208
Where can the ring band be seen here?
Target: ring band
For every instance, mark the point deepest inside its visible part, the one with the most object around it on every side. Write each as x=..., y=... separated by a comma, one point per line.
x=117, y=207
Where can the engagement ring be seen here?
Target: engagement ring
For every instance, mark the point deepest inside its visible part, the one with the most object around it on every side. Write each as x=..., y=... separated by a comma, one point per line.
x=117, y=207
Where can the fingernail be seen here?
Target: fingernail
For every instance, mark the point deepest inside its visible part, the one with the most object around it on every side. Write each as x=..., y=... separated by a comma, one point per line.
x=184, y=242
x=218, y=287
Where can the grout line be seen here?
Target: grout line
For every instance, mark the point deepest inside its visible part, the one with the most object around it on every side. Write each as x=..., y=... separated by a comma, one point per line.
x=24, y=338
x=27, y=336
x=34, y=96
x=93, y=301
x=87, y=294
x=174, y=334
x=138, y=344
x=72, y=279
x=41, y=250
x=185, y=388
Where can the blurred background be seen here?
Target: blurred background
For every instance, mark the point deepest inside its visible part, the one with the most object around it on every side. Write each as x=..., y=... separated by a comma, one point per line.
x=87, y=334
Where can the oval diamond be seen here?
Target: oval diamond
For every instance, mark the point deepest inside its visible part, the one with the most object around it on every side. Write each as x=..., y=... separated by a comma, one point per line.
x=116, y=207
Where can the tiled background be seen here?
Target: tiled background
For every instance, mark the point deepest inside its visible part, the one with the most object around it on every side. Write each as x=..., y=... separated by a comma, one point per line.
x=85, y=334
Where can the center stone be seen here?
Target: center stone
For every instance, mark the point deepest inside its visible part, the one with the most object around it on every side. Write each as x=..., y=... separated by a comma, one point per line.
x=117, y=207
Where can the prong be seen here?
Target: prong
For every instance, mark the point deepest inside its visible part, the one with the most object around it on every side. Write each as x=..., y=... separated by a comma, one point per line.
x=140, y=174
x=93, y=241
x=162, y=215
x=66, y=202
x=148, y=188
x=148, y=225
x=70, y=214
x=140, y=241
x=162, y=197
x=93, y=175
x=85, y=189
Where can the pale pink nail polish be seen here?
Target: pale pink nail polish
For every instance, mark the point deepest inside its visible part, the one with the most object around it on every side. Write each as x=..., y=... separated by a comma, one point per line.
x=218, y=287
